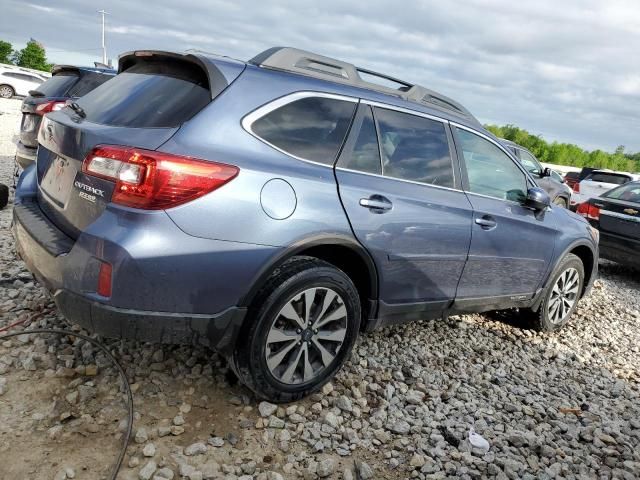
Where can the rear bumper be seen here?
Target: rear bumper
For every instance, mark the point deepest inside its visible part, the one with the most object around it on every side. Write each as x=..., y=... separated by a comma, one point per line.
x=181, y=289
x=25, y=156
x=216, y=331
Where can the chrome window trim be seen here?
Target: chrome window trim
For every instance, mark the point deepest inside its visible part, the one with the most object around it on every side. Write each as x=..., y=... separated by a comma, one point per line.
x=248, y=120
x=622, y=216
x=387, y=106
x=399, y=179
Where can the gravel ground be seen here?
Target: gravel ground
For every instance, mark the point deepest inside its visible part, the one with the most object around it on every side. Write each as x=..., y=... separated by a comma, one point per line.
x=562, y=405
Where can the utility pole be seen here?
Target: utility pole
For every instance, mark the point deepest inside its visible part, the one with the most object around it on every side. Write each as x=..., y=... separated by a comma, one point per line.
x=104, y=48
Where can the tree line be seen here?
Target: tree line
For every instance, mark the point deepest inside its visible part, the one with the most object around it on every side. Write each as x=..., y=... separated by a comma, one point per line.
x=567, y=153
x=31, y=56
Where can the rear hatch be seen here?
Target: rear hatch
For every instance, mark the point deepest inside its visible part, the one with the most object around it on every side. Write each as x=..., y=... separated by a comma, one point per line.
x=598, y=183
x=53, y=90
x=142, y=107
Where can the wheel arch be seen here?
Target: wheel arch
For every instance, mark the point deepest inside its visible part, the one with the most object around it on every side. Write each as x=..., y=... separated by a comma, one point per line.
x=585, y=252
x=341, y=251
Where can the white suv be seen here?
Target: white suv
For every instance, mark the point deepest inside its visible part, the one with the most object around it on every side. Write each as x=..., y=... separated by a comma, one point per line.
x=18, y=81
x=597, y=183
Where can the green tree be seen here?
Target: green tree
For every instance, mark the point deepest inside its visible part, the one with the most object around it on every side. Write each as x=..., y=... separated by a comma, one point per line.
x=32, y=56
x=6, y=50
x=567, y=153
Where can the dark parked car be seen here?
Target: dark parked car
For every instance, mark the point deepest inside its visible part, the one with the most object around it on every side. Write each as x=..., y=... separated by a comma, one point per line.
x=276, y=208
x=545, y=177
x=616, y=214
x=67, y=82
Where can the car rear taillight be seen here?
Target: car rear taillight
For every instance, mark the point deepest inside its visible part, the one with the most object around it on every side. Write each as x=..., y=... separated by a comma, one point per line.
x=49, y=107
x=589, y=211
x=155, y=180
x=576, y=187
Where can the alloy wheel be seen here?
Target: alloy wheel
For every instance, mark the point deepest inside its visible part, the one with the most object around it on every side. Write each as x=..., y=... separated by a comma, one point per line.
x=563, y=295
x=306, y=335
x=6, y=92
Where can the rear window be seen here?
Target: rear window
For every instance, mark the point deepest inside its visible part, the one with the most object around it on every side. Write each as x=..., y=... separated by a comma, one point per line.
x=58, y=85
x=627, y=193
x=613, y=178
x=152, y=94
x=88, y=82
x=312, y=128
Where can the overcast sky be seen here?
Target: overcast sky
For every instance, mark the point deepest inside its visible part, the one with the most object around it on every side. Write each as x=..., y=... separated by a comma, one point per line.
x=567, y=70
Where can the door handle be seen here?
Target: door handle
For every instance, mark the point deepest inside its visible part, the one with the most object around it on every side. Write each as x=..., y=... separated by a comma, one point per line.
x=376, y=203
x=487, y=222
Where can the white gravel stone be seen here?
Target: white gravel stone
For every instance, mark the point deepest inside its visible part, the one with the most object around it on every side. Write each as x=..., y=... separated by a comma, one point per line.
x=267, y=409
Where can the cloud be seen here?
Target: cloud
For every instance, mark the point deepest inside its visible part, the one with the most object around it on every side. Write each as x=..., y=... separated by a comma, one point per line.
x=568, y=72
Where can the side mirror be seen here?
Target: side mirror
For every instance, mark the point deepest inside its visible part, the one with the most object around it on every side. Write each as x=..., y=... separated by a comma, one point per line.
x=537, y=199
x=546, y=172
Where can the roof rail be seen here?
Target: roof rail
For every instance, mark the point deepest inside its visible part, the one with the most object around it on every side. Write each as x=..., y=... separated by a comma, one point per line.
x=311, y=64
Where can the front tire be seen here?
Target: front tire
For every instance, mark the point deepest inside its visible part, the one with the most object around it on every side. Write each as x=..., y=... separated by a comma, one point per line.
x=7, y=91
x=560, y=296
x=300, y=330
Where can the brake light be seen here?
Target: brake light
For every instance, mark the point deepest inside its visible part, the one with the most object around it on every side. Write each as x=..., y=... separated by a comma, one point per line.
x=155, y=180
x=576, y=187
x=49, y=107
x=104, y=280
x=589, y=211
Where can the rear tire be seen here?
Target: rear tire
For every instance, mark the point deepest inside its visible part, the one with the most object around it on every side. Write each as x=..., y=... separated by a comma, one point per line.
x=300, y=330
x=560, y=296
x=560, y=202
x=7, y=91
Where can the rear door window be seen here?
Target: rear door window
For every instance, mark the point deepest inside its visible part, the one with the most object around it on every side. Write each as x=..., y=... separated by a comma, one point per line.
x=605, y=177
x=414, y=148
x=147, y=95
x=362, y=152
x=311, y=128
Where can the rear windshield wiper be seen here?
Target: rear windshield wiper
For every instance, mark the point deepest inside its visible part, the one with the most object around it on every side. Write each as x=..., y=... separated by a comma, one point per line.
x=36, y=93
x=78, y=109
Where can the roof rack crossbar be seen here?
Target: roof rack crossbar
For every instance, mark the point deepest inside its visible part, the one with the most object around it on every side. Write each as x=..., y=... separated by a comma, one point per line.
x=318, y=66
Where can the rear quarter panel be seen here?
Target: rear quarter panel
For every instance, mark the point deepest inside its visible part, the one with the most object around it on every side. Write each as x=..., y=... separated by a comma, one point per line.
x=234, y=212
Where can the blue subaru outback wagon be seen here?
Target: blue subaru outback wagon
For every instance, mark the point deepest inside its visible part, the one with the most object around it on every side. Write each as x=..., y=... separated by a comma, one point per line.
x=276, y=208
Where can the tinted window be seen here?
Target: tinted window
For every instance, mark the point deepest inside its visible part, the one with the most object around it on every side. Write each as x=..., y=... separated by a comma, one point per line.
x=160, y=94
x=627, y=193
x=490, y=171
x=58, y=85
x=608, y=178
x=361, y=151
x=89, y=81
x=530, y=163
x=25, y=77
x=414, y=148
x=311, y=128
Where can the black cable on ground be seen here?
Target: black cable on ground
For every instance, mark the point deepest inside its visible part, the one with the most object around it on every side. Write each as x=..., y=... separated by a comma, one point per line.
x=127, y=436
